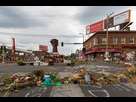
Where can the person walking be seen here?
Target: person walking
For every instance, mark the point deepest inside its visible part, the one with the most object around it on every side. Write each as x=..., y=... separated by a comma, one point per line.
x=124, y=58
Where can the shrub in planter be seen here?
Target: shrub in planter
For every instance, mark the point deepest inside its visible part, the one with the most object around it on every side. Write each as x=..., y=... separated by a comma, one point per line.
x=72, y=62
x=42, y=60
x=20, y=62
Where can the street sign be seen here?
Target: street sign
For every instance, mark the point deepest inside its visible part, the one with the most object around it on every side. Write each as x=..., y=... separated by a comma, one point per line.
x=77, y=43
x=3, y=53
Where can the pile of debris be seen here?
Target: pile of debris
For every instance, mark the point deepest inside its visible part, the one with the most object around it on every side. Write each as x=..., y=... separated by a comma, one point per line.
x=14, y=83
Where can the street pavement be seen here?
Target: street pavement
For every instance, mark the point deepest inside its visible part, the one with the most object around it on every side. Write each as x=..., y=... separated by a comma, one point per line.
x=70, y=90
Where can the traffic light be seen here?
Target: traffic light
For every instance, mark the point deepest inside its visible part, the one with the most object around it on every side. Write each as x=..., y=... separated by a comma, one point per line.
x=84, y=50
x=4, y=48
x=61, y=43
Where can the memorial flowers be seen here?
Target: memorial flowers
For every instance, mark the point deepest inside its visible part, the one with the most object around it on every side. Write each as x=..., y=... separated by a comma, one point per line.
x=38, y=72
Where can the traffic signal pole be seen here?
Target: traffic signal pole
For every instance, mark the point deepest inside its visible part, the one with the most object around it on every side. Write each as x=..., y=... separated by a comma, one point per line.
x=62, y=44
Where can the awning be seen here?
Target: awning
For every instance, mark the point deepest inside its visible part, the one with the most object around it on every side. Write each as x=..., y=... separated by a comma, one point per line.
x=104, y=50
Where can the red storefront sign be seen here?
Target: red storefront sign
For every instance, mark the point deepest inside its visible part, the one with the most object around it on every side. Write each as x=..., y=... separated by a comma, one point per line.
x=94, y=27
x=104, y=50
x=9, y=47
x=42, y=47
x=132, y=47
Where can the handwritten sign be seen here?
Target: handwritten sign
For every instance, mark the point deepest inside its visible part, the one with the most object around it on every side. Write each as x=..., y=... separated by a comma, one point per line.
x=36, y=64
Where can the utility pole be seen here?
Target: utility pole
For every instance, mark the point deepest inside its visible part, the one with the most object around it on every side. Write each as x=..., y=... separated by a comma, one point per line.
x=83, y=38
x=107, y=36
x=83, y=42
x=3, y=54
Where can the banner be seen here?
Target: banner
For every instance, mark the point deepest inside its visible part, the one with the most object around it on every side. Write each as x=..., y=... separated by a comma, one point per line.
x=42, y=47
x=13, y=45
x=122, y=18
x=13, y=49
x=110, y=23
x=94, y=27
x=117, y=19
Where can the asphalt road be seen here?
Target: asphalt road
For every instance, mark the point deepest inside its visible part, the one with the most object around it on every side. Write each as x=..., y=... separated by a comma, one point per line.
x=112, y=90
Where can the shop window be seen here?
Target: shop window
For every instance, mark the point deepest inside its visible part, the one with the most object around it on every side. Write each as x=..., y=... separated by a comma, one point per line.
x=114, y=40
x=104, y=40
x=95, y=41
x=90, y=44
x=122, y=40
x=131, y=40
x=87, y=46
x=116, y=54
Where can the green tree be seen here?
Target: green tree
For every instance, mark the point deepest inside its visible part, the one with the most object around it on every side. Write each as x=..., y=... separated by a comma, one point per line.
x=72, y=55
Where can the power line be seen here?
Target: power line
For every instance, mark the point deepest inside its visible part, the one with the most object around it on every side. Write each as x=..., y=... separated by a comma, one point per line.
x=39, y=35
x=47, y=17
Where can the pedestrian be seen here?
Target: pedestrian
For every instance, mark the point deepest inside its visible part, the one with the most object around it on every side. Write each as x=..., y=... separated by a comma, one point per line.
x=115, y=59
x=110, y=57
x=124, y=58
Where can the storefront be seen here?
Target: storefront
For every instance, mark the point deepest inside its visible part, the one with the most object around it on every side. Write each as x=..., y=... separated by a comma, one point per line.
x=119, y=42
x=100, y=52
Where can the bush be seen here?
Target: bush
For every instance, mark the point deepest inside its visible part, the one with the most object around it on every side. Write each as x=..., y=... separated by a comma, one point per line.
x=42, y=60
x=20, y=62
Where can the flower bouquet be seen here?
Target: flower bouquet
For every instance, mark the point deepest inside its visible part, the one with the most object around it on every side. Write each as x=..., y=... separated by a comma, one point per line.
x=38, y=72
x=86, y=60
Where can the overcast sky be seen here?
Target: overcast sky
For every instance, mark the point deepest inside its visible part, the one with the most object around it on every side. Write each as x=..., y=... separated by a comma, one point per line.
x=52, y=20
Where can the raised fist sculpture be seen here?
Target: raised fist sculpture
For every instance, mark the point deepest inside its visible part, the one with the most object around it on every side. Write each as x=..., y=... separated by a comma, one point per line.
x=54, y=43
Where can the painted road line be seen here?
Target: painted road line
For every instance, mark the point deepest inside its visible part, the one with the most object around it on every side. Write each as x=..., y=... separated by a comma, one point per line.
x=93, y=92
x=66, y=90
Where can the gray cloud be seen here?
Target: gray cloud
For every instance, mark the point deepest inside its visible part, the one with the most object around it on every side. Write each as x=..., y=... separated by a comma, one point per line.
x=93, y=14
x=48, y=20
x=15, y=17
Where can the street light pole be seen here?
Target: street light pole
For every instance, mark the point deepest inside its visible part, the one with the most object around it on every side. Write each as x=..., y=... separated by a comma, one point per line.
x=83, y=41
x=107, y=36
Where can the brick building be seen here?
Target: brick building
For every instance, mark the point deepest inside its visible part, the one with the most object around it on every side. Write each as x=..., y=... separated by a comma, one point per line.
x=118, y=42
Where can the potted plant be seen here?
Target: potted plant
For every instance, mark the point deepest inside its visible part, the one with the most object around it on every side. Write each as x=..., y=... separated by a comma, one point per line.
x=50, y=62
x=72, y=62
x=20, y=62
x=123, y=78
x=42, y=60
x=85, y=74
x=75, y=81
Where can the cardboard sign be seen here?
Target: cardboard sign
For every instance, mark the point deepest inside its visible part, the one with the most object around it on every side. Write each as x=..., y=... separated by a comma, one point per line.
x=45, y=64
x=36, y=64
x=67, y=61
x=41, y=63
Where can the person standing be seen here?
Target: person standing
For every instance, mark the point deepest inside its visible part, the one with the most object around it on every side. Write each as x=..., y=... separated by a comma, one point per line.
x=124, y=58
x=115, y=59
